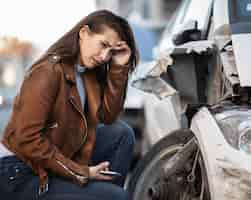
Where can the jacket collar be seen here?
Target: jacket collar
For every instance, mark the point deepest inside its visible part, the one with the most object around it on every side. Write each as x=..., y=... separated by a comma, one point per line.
x=69, y=73
x=92, y=89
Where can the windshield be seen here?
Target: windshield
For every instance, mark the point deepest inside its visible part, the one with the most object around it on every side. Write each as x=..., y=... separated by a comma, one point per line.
x=240, y=11
x=177, y=17
x=240, y=16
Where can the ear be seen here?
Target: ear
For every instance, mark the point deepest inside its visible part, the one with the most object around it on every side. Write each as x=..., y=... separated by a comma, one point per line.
x=83, y=31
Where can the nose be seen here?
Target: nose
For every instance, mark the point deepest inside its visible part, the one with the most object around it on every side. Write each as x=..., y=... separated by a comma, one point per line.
x=105, y=55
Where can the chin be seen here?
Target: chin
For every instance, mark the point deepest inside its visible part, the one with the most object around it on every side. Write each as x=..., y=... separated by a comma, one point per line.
x=90, y=66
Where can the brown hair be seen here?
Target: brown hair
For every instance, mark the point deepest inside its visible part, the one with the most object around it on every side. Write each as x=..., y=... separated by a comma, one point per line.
x=68, y=45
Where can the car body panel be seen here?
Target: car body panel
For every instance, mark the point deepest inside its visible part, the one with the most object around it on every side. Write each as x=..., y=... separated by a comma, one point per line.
x=228, y=170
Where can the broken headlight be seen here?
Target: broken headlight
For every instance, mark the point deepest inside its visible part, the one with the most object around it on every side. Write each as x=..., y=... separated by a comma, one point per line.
x=244, y=142
x=236, y=128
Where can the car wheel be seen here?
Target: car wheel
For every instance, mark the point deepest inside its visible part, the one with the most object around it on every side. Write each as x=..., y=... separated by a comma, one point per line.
x=147, y=179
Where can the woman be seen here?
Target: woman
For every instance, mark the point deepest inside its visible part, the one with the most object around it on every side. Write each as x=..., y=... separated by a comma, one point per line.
x=63, y=129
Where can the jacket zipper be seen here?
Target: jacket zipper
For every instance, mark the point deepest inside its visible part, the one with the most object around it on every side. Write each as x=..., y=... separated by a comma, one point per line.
x=79, y=177
x=54, y=125
x=83, y=117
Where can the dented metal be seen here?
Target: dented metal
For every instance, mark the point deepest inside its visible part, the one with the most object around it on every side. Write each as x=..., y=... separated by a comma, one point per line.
x=222, y=125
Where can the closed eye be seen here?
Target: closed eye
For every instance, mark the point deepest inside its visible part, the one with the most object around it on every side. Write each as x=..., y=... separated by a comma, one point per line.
x=102, y=45
x=106, y=44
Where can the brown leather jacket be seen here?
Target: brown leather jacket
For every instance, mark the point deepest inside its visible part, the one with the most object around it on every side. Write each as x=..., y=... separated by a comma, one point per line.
x=48, y=128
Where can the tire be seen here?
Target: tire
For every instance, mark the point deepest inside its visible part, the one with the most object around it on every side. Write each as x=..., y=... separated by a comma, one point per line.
x=149, y=169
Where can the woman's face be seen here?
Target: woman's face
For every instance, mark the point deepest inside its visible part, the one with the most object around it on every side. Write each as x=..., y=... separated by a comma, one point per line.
x=97, y=48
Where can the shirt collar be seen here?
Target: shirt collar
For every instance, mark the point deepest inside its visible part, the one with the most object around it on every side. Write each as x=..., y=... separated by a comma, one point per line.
x=80, y=68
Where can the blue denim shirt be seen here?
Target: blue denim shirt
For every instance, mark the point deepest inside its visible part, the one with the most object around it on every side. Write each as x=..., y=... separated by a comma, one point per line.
x=80, y=85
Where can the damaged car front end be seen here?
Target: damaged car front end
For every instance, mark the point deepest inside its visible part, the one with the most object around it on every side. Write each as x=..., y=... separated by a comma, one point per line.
x=209, y=157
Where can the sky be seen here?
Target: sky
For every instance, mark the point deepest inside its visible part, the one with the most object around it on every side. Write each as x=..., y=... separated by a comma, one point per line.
x=41, y=22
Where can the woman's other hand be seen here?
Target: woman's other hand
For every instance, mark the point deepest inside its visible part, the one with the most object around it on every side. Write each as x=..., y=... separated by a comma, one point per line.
x=121, y=54
x=95, y=171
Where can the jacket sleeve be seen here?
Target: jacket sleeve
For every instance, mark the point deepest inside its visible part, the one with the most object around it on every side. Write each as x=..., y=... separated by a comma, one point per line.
x=37, y=97
x=114, y=94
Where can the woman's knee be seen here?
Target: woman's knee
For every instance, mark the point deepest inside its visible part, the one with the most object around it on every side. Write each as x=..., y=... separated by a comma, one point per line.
x=105, y=191
x=126, y=132
x=116, y=192
x=123, y=195
x=117, y=132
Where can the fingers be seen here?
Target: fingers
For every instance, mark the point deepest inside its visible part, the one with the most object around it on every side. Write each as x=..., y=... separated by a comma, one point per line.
x=103, y=166
x=95, y=171
x=121, y=45
x=121, y=53
x=104, y=177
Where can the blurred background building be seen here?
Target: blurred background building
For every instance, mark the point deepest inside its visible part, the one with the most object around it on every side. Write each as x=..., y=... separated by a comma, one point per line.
x=151, y=12
x=121, y=7
x=15, y=56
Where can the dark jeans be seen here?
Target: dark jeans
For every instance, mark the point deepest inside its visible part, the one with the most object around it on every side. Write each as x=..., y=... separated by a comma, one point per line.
x=114, y=144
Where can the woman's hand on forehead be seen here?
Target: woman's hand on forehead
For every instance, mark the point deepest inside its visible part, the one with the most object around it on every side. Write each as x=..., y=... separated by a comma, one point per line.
x=121, y=53
x=119, y=45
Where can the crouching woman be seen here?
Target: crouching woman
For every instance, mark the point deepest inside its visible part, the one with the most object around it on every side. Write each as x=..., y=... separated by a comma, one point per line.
x=64, y=129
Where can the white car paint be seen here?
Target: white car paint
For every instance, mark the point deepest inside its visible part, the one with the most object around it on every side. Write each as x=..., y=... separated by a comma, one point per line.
x=228, y=170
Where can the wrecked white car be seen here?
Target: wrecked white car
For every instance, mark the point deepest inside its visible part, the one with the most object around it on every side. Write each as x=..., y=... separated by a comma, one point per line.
x=206, y=80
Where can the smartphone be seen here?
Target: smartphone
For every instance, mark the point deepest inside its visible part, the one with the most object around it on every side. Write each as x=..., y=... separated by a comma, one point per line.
x=110, y=173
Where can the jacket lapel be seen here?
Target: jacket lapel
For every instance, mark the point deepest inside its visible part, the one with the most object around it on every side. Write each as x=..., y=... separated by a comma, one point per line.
x=93, y=94
x=73, y=97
